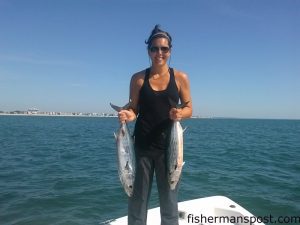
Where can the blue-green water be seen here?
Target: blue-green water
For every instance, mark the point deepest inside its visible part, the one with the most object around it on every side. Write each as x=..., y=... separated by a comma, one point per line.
x=62, y=170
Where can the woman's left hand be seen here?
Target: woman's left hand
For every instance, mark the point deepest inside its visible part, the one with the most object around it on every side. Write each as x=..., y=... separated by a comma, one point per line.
x=175, y=114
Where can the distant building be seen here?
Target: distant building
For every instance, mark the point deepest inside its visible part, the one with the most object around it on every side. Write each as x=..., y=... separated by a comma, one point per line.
x=32, y=111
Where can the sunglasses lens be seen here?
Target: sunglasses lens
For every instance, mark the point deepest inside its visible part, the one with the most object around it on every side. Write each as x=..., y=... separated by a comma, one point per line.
x=164, y=49
x=156, y=49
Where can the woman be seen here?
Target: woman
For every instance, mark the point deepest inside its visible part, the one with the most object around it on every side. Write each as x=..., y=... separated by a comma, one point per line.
x=152, y=94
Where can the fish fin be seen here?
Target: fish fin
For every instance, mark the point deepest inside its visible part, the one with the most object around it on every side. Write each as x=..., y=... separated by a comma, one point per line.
x=115, y=136
x=118, y=108
x=127, y=167
x=179, y=167
x=184, y=130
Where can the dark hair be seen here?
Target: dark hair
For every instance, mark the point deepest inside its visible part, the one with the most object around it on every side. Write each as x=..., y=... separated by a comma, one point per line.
x=158, y=33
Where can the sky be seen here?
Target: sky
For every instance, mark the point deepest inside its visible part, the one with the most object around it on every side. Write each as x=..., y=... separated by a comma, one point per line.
x=242, y=57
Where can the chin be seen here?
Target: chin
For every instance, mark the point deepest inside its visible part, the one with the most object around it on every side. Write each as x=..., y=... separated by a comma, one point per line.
x=160, y=63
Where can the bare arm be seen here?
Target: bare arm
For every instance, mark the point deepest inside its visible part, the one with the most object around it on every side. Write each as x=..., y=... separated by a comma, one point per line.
x=183, y=85
x=136, y=83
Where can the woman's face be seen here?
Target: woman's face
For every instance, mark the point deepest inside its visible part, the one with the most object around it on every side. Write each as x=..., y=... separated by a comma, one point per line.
x=159, y=51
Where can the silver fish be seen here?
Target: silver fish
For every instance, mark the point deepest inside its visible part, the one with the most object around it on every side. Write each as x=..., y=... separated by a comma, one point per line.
x=125, y=155
x=175, y=152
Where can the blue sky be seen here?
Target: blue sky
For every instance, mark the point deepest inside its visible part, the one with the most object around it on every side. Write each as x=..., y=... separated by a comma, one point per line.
x=242, y=57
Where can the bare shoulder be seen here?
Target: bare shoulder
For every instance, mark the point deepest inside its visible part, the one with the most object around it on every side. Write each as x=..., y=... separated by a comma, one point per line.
x=181, y=78
x=180, y=75
x=137, y=79
x=183, y=84
x=136, y=83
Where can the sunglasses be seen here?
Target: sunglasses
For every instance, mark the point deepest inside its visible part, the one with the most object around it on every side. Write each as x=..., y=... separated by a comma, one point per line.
x=155, y=49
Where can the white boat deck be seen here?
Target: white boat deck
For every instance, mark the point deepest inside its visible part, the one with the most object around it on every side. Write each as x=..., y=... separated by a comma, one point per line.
x=202, y=211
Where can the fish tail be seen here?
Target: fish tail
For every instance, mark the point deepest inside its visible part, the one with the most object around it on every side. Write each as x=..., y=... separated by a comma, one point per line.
x=176, y=105
x=118, y=108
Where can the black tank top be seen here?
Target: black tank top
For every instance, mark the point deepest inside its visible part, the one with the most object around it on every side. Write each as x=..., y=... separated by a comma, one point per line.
x=153, y=125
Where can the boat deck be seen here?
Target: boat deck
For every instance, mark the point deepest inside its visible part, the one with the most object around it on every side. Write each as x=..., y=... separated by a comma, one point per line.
x=204, y=211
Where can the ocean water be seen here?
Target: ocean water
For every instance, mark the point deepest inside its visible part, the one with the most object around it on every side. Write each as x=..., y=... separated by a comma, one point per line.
x=62, y=170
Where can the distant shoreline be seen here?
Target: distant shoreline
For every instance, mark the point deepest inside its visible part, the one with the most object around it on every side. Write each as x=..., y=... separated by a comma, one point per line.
x=57, y=115
x=114, y=116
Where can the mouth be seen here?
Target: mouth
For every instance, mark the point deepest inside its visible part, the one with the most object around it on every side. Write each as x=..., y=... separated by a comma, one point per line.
x=159, y=59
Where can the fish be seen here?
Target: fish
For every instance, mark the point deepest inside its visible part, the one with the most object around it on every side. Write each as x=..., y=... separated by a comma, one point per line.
x=125, y=154
x=175, y=152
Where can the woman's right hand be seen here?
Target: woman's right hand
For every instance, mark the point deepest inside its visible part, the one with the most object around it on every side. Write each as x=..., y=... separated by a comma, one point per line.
x=126, y=116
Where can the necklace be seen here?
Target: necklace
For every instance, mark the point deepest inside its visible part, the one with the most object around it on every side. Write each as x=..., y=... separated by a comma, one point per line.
x=157, y=75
